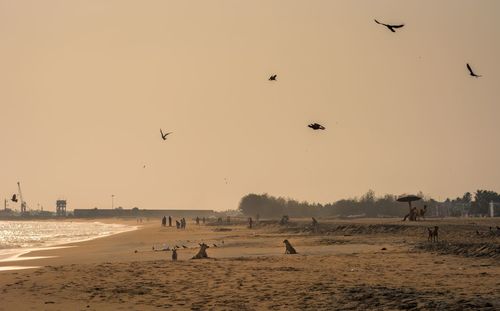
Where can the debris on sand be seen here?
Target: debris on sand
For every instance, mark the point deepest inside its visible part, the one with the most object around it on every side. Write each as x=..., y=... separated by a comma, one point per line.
x=491, y=250
x=222, y=229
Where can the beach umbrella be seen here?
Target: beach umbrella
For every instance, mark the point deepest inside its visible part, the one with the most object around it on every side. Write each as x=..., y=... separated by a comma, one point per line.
x=408, y=198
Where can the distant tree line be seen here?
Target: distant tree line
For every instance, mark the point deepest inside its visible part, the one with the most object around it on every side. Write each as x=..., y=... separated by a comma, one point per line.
x=368, y=205
x=477, y=204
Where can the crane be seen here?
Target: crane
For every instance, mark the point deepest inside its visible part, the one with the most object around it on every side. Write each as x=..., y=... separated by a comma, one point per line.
x=23, y=204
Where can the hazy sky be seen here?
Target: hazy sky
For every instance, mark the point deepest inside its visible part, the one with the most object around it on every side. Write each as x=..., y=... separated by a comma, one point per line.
x=86, y=85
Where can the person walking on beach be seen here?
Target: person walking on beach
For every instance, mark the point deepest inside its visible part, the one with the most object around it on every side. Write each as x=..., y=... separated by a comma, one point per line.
x=177, y=224
x=164, y=221
x=250, y=222
x=170, y=221
x=197, y=220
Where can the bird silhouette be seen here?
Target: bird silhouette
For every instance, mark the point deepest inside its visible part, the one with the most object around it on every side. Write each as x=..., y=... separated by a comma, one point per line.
x=215, y=245
x=390, y=27
x=472, y=72
x=177, y=246
x=164, y=136
x=184, y=246
x=316, y=126
x=14, y=198
x=273, y=78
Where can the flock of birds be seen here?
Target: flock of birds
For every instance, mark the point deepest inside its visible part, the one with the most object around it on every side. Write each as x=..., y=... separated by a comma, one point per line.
x=317, y=126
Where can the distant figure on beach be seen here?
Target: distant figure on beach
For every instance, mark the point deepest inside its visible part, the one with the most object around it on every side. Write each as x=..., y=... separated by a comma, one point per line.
x=219, y=220
x=412, y=215
x=183, y=223
x=164, y=221
x=174, y=254
x=177, y=224
x=250, y=222
x=289, y=248
x=197, y=220
x=202, y=253
x=421, y=212
x=203, y=220
x=170, y=221
x=284, y=220
x=315, y=224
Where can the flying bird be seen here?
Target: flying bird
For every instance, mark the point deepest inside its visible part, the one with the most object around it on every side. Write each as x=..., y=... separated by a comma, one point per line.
x=390, y=27
x=316, y=126
x=164, y=136
x=273, y=78
x=184, y=246
x=215, y=245
x=14, y=198
x=472, y=72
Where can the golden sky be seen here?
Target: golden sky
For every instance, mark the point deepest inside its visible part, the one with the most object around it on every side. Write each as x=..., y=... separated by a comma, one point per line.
x=85, y=87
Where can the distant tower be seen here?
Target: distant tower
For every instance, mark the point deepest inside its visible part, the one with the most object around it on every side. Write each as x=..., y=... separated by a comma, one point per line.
x=61, y=208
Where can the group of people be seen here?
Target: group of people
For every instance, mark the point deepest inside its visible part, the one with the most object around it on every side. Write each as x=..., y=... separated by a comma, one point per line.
x=179, y=224
x=164, y=221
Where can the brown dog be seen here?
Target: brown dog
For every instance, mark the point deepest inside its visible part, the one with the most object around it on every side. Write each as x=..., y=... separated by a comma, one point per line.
x=433, y=234
x=289, y=248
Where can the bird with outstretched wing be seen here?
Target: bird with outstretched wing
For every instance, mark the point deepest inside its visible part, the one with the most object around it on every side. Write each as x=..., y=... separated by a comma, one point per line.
x=390, y=27
x=471, y=72
x=164, y=136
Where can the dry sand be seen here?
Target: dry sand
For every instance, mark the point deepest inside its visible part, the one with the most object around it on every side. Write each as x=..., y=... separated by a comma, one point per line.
x=375, y=264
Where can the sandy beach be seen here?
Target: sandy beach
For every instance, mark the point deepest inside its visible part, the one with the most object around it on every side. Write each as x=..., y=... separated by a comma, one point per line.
x=379, y=264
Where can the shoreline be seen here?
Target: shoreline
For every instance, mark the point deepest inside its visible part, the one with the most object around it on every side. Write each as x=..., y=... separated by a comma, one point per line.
x=16, y=255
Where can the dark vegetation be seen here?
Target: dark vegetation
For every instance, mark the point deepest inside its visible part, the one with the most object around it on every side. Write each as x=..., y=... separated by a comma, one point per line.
x=368, y=205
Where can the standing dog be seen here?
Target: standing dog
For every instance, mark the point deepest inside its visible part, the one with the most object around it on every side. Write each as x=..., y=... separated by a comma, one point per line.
x=433, y=234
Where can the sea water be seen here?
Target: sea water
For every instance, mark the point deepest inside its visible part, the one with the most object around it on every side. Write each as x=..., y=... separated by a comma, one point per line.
x=20, y=237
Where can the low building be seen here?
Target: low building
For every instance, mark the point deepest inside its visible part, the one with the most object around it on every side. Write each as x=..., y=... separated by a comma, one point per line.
x=135, y=212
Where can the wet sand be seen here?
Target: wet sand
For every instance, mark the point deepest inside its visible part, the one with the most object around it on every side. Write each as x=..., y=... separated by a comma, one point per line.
x=376, y=264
